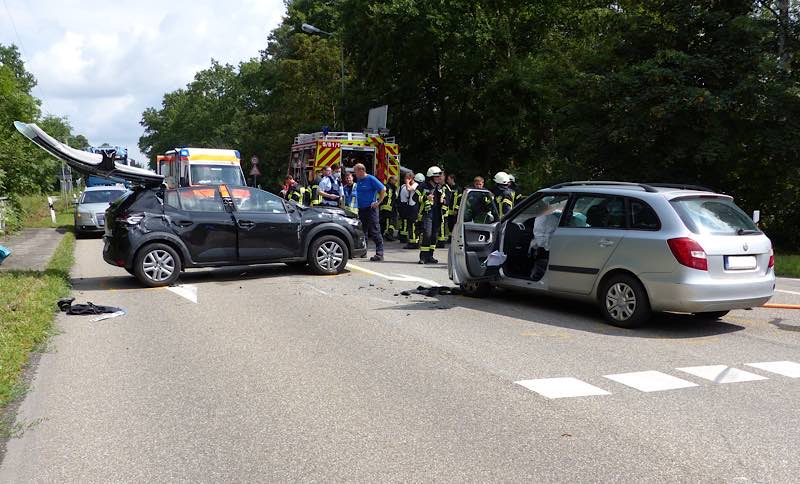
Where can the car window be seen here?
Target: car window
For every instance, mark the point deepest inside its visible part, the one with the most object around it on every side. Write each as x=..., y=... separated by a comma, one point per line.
x=598, y=211
x=713, y=216
x=216, y=175
x=101, y=196
x=200, y=199
x=545, y=205
x=255, y=200
x=643, y=217
x=171, y=199
x=479, y=208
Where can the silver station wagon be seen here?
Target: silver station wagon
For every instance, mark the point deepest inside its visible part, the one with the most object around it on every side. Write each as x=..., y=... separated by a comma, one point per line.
x=633, y=249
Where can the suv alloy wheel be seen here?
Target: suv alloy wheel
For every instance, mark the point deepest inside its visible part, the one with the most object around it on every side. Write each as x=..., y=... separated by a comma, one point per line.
x=327, y=255
x=157, y=265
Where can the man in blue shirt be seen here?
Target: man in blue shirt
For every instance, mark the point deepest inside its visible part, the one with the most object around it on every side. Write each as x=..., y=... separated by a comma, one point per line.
x=369, y=195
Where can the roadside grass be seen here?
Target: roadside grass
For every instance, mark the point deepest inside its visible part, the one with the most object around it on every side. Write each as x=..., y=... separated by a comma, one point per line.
x=787, y=265
x=36, y=213
x=27, y=310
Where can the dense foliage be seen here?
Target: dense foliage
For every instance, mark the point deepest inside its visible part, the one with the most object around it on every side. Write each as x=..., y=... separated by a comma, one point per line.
x=24, y=168
x=689, y=91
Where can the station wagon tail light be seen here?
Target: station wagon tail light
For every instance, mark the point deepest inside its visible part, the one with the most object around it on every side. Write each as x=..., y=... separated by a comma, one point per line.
x=131, y=218
x=771, y=259
x=689, y=253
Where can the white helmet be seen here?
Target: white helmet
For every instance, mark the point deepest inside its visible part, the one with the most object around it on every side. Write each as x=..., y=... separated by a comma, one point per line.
x=434, y=171
x=419, y=178
x=511, y=178
x=502, y=178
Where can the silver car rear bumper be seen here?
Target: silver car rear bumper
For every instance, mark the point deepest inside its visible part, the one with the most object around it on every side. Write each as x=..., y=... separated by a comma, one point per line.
x=698, y=293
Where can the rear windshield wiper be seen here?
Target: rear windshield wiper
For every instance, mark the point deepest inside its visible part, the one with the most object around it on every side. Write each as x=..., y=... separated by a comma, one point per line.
x=747, y=232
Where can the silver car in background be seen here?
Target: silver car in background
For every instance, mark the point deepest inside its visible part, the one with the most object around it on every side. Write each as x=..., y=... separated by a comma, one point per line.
x=90, y=210
x=631, y=248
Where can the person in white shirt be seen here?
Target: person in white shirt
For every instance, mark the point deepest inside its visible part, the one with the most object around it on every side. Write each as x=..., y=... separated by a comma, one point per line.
x=405, y=208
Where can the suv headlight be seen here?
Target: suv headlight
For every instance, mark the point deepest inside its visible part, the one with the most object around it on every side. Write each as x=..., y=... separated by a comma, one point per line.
x=353, y=221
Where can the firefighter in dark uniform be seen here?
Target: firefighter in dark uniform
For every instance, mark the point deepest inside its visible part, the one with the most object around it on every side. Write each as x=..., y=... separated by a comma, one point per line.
x=295, y=191
x=503, y=194
x=314, y=198
x=430, y=214
x=412, y=213
x=453, y=202
x=388, y=210
x=518, y=196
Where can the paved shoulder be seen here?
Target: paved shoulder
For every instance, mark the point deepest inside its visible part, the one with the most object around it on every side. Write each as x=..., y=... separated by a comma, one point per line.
x=31, y=249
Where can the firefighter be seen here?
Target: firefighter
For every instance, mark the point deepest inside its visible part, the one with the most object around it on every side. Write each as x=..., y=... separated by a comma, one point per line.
x=349, y=188
x=388, y=209
x=313, y=193
x=441, y=239
x=404, y=197
x=295, y=191
x=518, y=197
x=503, y=195
x=412, y=214
x=430, y=215
x=452, y=204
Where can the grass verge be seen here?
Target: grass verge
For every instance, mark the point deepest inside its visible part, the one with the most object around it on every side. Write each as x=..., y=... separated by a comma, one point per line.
x=27, y=310
x=787, y=265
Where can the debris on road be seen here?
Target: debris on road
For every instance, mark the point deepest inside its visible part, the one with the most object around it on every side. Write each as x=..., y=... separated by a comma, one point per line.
x=4, y=252
x=432, y=291
x=108, y=316
x=65, y=306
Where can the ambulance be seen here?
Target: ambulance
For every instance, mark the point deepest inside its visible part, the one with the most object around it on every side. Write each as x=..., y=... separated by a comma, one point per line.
x=314, y=151
x=187, y=167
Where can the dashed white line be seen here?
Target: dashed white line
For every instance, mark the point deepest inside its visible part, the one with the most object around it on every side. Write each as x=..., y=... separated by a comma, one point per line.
x=650, y=381
x=317, y=289
x=722, y=374
x=561, y=387
x=396, y=277
x=187, y=291
x=785, y=368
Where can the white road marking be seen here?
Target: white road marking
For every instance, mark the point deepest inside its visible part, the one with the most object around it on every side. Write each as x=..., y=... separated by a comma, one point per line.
x=561, y=387
x=396, y=277
x=785, y=368
x=788, y=292
x=187, y=291
x=650, y=381
x=317, y=289
x=722, y=374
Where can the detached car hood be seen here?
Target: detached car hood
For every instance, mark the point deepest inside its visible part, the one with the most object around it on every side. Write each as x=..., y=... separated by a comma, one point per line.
x=88, y=163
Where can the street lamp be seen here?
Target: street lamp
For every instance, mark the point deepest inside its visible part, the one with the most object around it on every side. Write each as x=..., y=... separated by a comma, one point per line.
x=310, y=29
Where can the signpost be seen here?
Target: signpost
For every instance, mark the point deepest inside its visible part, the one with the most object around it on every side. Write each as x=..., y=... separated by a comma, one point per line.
x=254, y=171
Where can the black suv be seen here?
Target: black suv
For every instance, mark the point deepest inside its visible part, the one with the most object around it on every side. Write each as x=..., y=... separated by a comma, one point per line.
x=155, y=233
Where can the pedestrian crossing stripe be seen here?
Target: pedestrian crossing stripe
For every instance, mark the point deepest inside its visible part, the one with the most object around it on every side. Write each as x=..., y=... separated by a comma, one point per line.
x=650, y=381
x=786, y=368
x=722, y=374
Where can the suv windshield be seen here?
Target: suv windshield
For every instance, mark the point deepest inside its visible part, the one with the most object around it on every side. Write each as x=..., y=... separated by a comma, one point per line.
x=217, y=175
x=713, y=216
x=101, y=196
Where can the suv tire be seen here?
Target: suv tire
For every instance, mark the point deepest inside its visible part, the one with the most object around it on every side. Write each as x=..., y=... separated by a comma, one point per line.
x=624, y=302
x=476, y=289
x=157, y=265
x=327, y=255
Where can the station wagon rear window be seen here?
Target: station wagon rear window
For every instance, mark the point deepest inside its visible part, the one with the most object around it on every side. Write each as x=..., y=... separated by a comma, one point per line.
x=713, y=216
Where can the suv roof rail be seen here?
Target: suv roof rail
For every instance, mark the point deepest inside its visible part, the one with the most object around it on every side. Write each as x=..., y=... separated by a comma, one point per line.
x=682, y=186
x=644, y=186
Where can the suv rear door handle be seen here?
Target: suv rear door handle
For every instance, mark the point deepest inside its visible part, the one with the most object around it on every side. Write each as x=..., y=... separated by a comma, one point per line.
x=184, y=223
x=606, y=243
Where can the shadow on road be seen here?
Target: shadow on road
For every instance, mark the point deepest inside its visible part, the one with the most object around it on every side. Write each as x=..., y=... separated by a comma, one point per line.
x=569, y=314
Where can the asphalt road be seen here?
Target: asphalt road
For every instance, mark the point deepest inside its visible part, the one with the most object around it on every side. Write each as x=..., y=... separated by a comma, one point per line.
x=275, y=375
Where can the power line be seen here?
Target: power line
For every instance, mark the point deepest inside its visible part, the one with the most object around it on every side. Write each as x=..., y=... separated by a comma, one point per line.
x=14, y=26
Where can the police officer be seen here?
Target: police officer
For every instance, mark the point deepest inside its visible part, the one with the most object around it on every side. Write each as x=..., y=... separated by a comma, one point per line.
x=349, y=188
x=503, y=195
x=330, y=189
x=388, y=209
x=431, y=212
x=412, y=214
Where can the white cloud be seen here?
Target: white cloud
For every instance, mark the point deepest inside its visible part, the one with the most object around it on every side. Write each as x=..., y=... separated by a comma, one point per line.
x=102, y=63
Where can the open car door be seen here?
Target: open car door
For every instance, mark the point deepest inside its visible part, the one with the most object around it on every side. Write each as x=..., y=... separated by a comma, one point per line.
x=88, y=163
x=475, y=236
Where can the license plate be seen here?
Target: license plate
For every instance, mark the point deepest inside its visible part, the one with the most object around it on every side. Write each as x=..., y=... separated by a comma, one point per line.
x=740, y=262
x=101, y=219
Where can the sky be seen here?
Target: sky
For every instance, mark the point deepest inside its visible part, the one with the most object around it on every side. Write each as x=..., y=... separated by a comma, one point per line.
x=102, y=63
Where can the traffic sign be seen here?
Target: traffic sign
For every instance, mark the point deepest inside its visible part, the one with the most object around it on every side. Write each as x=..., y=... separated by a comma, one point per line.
x=254, y=171
x=254, y=160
